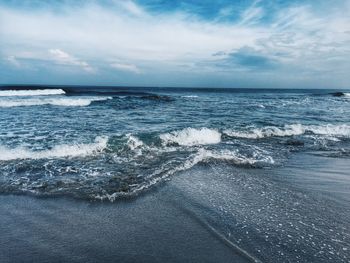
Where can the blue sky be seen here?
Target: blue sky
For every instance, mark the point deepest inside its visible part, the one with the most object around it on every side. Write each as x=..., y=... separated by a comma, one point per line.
x=239, y=44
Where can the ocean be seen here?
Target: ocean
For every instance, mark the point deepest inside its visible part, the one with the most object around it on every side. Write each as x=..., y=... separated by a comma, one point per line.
x=267, y=170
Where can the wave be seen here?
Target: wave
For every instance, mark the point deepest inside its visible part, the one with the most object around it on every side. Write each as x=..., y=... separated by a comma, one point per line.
x=291, y=130
x=232, y=156
x=201, y=156
x=156, y=97
x=191, y=137
x=288, y=130
x=133, y=142
x=58, y=151
x=340, y=94
x=68, y=102
x=190, y=96
x=37, y=92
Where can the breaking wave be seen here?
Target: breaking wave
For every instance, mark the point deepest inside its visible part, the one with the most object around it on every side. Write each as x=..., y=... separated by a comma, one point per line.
x=68, y=102
x=232, y=156
x=190, y=96
x=38, y=92
x=58, y=151
x=292, y=130
x=133, y=142
x=191, y=137
x=201, y=156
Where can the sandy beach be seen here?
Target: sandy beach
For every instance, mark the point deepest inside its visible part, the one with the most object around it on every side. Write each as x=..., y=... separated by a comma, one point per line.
x=194, y=217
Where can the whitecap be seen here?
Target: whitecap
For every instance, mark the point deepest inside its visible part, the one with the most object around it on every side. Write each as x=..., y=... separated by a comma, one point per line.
x=233, y=156
x=37, y=92
x=342, y=130
x=192, y=136
x=58, y=151
x=291, y=130
x=133, y=142
x=270, y=131
x=190, y=96
x=67, y=102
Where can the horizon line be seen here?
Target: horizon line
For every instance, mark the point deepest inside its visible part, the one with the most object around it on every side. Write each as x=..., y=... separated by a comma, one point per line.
x=162, y=87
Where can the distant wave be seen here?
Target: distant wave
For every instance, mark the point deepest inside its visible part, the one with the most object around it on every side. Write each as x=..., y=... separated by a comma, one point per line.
x=58, y=151
x=291, y=130
x=190, y=96
x=192, y=136
x=156, y=97
x=37, y=92
x=68, y=102
x=340, y=94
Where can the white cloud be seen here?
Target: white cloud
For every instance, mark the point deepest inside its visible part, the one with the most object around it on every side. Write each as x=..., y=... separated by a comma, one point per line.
x=131, y=7
x=226, y=11
x=13, y=61
x=112, y=34
x=126, y=67
x=64, y=58
x=252, y=14
x=297, y=37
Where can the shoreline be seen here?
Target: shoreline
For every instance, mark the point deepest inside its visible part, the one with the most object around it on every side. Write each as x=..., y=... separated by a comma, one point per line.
x=206, y=214
x=145, y=229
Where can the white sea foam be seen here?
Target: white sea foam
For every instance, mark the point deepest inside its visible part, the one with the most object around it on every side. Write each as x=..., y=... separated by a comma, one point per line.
x=57, y=101
x=191, y=137
x=288, y=130
x=234, y=156
x=292, y=130
x=330, y=130
x=134, y=142
x=37, y=92
x=58, y=151
x=202, y=155
x=190, y=96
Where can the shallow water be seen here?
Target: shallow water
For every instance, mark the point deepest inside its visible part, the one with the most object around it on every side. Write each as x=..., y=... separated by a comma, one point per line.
x=282, y=215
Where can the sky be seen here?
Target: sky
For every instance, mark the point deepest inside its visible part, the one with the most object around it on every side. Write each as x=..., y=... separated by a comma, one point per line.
x=176, y=43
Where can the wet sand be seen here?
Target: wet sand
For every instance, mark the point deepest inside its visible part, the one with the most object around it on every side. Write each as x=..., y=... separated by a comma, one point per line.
x=148, y=229
x=208, y=214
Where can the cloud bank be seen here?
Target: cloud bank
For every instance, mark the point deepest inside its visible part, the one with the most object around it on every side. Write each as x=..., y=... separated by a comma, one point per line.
x=223, y=44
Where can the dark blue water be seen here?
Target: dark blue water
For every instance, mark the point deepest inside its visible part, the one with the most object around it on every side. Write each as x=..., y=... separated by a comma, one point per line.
x=267, y=169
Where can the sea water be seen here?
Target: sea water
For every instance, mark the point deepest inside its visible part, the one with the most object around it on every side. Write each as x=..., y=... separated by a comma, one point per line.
x=265, y=171
x=104, y=143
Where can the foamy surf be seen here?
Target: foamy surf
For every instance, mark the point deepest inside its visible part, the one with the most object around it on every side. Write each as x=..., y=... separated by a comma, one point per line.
x=202, y=155
x=190, y=96
x=191, y=137
x=133, y=142
x=38, y=92
x=66, y=102
x=149, y=142
x=58, y=151
x=291, y=130
x=232, y=156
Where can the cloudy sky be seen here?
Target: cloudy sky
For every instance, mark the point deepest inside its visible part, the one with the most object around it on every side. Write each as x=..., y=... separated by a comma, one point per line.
x=200, y=43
